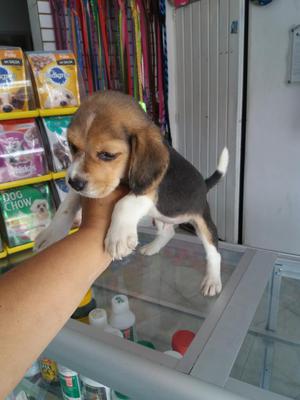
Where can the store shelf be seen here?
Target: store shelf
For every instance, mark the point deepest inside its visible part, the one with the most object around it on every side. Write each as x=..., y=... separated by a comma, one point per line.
x=26, y=246
x=3, y=253
x=21, y=247
x=57, y=111
x=19, y=115
x=38, y=113
x=59, y=175
x=24, y=182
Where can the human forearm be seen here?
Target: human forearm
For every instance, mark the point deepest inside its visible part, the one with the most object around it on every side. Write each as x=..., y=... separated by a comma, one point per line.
x=39, y=296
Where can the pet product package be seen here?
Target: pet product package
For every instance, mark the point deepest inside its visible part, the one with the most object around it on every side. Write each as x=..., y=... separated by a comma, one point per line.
x=62, y=189
x=13, y=82
x=56, y=130
x=56, y=80
x=26, y=211
x=21, y=152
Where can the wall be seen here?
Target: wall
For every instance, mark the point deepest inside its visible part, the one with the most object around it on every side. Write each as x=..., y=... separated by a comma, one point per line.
x=205, y=70
x=272, y=165
x=41, y=25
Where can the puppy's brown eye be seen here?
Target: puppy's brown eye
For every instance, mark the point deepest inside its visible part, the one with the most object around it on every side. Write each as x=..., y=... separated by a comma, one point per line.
x=105, y=156
x=68, y=96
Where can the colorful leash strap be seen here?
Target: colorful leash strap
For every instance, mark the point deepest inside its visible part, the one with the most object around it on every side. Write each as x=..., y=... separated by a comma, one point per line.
x=119, y=44
x=103, y=17
x=57, y=8
x=138, y=47
x=166, y=124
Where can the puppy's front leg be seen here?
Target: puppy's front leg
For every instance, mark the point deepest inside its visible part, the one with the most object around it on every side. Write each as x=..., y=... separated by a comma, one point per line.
x=121, y=238
x=60, y=224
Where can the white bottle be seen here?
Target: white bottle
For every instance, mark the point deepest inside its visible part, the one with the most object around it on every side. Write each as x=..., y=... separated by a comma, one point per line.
x=122, y=317
x=92, y=390
x=98, y=318
x=174, y=354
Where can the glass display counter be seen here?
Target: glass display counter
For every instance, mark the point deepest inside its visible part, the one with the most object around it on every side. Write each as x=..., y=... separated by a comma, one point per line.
x=246, y=339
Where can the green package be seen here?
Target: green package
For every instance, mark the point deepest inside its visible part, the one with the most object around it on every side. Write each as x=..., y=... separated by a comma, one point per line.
x=26, y=211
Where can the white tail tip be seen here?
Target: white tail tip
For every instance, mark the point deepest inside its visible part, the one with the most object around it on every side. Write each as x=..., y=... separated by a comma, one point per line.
x=223, y=161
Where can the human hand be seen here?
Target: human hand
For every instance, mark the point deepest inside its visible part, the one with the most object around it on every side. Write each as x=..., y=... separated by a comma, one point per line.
x=96, y=213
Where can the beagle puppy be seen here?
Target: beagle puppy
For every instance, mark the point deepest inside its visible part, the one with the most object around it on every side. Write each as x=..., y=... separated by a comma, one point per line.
x=113, y=141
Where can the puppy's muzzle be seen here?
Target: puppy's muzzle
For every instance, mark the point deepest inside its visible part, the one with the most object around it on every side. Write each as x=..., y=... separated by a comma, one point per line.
x=63, y=103
x=77, y=184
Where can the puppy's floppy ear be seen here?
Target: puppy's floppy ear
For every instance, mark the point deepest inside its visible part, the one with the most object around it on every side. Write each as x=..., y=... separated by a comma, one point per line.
x=149, y=159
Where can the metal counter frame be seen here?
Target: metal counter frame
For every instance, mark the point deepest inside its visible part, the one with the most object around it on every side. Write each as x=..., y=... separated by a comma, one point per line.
x=146, y=374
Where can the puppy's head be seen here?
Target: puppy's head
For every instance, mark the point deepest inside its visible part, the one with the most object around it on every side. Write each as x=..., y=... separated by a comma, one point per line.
x=112, y=140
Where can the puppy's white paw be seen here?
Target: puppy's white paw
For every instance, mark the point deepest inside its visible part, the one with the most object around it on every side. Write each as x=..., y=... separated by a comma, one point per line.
x=121, y=241
x=150, y=249
x=211, y=285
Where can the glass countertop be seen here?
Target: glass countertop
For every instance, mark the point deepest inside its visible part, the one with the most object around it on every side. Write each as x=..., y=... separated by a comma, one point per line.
x=270, y=355
x=164, y=289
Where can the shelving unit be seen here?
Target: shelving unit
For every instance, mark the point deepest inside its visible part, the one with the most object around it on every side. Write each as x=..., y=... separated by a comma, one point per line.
x=50, y=176
x=19, y=115
x=27, y=181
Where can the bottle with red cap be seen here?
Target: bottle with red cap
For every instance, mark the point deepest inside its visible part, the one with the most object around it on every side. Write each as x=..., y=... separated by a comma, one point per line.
x=181, y=340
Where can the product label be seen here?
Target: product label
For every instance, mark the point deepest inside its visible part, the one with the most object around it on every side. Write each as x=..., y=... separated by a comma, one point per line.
x=12, y=61
x=70, y=387
x=6, y=77
x=57, y=75
x=66, y=62
x=27, y=211
x=49, y=370
x=129, y=333
x=13, y=82
x=91, y=393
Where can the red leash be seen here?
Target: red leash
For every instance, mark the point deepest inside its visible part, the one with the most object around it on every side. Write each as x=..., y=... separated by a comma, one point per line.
x=81, y=14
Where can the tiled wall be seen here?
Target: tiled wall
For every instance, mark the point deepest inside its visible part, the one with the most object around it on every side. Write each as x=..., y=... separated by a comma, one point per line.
x=46, y=25
x=41, y=25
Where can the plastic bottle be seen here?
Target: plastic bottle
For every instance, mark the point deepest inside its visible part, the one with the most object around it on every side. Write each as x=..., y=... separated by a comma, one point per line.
x=70, y=384
x=122, y=317
x=174, y=354
x=98, y=318
x=181, y=340
x=87, y=304
x=92, y=390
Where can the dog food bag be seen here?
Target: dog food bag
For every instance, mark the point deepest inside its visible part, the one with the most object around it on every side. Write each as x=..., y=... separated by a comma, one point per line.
x=56, y=80
x=13, y=81
x=26, y=211
x=21, y=152
x=62, y=189
x=56, y=130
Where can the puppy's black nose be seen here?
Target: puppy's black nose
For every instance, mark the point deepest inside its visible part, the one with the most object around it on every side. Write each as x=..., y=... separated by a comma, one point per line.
x=63, y=103
x=77, y=184
x=7, y=108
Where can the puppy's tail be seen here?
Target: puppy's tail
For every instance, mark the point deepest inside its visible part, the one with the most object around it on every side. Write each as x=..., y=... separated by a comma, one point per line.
x=220, y=171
